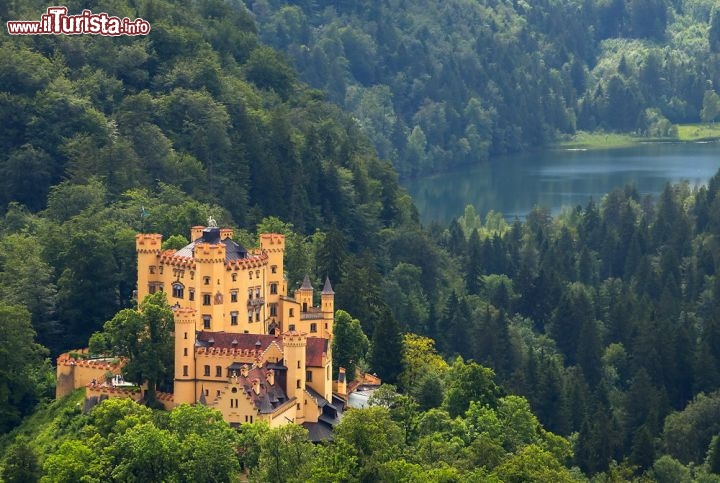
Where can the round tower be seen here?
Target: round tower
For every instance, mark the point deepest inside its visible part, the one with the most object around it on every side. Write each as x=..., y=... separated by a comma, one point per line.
x=294, y=347
x=185, y=392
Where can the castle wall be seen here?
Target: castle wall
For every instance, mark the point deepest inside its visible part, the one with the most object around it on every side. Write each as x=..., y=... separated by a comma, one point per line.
x=73, y=374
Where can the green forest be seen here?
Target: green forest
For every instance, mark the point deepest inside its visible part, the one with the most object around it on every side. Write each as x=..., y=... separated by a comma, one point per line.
x=437, y=85
x=577, y=347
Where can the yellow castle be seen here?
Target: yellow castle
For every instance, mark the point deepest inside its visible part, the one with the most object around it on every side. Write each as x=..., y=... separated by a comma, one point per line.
x=242, y=346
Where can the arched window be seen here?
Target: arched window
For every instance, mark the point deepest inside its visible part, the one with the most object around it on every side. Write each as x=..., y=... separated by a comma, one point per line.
x=178, y=291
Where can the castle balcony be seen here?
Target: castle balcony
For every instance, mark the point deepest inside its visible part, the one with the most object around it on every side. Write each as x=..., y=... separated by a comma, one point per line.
x=256, y=301
x=312, y=313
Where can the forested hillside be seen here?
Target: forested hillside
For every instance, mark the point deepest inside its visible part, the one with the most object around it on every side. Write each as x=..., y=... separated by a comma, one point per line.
x=598, y=331
x=104, y=137
x=441, y=84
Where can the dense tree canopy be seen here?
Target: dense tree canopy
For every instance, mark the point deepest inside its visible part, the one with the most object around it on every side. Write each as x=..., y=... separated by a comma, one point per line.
x=438, y=85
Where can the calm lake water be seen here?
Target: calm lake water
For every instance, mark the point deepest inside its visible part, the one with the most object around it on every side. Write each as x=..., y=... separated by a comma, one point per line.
x=555, y=179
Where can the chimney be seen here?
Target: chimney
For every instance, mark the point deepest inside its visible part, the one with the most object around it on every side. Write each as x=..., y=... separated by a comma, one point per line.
x=196, y=232
x=342, y=381
x=271, y=377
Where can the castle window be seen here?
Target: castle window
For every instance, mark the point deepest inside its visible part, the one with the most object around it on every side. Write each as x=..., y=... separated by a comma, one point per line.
x=207, y=370
x=273, y=269
x=234, y=277
x=233, y=318
x=304, y=307
x=178, y=291
x=291, y=327
x=308, y=376
x=185, y=351
x=257, y=273
x=233, y=295
x=218, y=371
x=313, y=327
x=192, y=275
x=298, y=384
x=250, y=293
x=291, y=313
x=206, y=322
x=206, y=280
x=257, y=292
x=234, y=390
x=251, y=419
x=273, y=288
x=206, y=298
x=191, y=294
x=246, y=418
x=186, y=335
x=161, y=269
x=257, y=314
x=152, y=270
x=250, y=274
x=185, y=370
x=207, y=392
x=218, y=392
x=298, y=406
x=298, y=364
x=273, y=310
x=250, y=312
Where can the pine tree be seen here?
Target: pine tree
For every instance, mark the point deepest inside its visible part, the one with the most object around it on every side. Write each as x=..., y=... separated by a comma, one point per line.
x=387, y=347
x=474, y=264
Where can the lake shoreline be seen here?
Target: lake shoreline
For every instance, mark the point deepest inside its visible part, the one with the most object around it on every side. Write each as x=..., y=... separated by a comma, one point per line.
x=556, y=177
x=687, y=133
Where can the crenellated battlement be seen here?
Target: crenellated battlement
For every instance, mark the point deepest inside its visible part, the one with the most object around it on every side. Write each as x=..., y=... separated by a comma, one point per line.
x=209, y=253
x=148, y=243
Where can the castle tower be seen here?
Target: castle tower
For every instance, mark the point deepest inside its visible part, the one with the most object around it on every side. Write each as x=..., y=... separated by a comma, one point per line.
x=327, y=305
x=304, y=295
x=185, y=391
x=294, y=346
x=210, y=275
x=148, y=248
x=274, y=245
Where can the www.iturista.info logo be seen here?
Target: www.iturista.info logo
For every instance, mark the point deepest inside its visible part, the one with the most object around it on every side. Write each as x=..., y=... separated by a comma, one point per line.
x=57, y=21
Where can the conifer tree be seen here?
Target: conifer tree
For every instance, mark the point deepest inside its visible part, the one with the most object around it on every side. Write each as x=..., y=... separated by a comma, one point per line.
x=387, y=347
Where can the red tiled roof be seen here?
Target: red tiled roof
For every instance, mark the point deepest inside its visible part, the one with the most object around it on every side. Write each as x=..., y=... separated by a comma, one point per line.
x=224, y=340
x=316, y=347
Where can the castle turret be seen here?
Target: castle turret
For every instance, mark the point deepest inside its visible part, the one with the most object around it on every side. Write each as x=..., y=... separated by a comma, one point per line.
x=304, y=294
x=185, y=391
x=148, y=248
x=327, y=305
x=294, y=347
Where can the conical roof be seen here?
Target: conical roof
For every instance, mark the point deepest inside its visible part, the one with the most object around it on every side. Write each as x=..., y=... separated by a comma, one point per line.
x=327, y=289
x=306, y=283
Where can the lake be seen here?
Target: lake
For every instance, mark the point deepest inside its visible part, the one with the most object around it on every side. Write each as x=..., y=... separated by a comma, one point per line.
x=513, y=185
